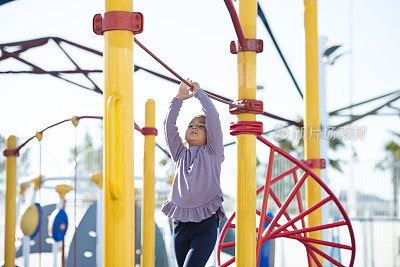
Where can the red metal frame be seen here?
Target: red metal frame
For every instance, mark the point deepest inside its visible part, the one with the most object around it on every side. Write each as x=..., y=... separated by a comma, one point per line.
x=315, y=163
x=255, y=45
x=275, y=230
x=253, y=106
x=19, y=47
x=118, y=20
x=11, y=152
x=236, y=22
x=179, y=76
x=144, y=131
x=149, y=131
x=246, y=127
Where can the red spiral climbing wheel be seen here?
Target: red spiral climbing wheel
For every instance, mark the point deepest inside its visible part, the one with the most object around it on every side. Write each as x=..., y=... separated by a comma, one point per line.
x=290, y=219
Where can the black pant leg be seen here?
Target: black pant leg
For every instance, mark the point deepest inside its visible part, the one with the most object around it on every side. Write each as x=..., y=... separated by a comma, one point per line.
x=202, y=244
x=181, y=241
x=181, y=250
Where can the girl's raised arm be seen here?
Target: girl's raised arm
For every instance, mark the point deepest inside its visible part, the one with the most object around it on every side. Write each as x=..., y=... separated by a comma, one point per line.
x=172, y=137
x=213, y=124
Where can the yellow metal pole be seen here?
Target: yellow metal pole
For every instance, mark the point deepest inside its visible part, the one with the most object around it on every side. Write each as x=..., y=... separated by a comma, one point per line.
x=148, y=231
x=11, y=191
x=119, y=248
x=97, y=178
x=311, y=121
x=23, y=188
x=37, y=182
x=62, y=190
x=245, y=249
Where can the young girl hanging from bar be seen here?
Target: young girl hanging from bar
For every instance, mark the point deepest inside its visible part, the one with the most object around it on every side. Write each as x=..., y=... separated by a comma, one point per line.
x=195, y=201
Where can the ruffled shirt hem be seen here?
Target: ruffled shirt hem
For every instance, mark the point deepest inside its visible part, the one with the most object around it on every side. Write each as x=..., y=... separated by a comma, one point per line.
x=196, y=214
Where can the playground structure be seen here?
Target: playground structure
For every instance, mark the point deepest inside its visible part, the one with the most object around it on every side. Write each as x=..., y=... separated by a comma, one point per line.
x=84, y=240
x=36, y=219
x=118, y=151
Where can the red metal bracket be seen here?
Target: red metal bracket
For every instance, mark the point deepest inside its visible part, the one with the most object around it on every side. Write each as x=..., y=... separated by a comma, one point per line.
x=255, y=45
x=149, y=131
x=246, y=127
x=118, y=20
x=253, y=106
x=12, y=152
x=315, y=163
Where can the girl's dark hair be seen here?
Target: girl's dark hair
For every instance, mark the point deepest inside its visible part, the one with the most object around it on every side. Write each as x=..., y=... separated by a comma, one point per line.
x=199, y=116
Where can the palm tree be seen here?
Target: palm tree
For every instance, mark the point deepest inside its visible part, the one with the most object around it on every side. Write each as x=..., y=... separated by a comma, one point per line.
x=392, y=162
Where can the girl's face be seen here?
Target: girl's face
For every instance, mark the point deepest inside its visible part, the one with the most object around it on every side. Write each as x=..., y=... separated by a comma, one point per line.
x=196, y=132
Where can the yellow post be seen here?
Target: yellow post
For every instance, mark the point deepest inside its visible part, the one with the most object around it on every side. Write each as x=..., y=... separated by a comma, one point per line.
x=119, y=248
x=23, y=188
x=97, y=178
x=147, y=222
x=311, y=121
x=62, y=190
x=245, y=249
x=37, y=182
x=11, y=191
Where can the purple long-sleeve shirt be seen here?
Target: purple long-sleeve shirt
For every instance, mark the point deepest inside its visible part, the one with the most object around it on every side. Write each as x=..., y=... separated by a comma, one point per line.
x=196, y=192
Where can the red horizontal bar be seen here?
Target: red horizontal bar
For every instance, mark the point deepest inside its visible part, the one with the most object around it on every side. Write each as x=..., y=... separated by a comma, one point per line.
x=55, y=72
x=302, y=214
x=312, y=254
x=309, y=229
x=322, y=242
x=278, y=225
x=268, y=219
x=227, y=245
x=323, y=255
x=286, y=203
x=228, y=262
x=283, y=175
x=280, y=205
x=277, y=178
x=299, y=201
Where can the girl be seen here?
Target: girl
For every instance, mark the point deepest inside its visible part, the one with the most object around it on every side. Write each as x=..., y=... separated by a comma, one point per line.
x=195, y=199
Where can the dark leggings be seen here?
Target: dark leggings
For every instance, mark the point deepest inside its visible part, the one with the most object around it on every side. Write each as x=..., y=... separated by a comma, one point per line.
x=194, y=242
